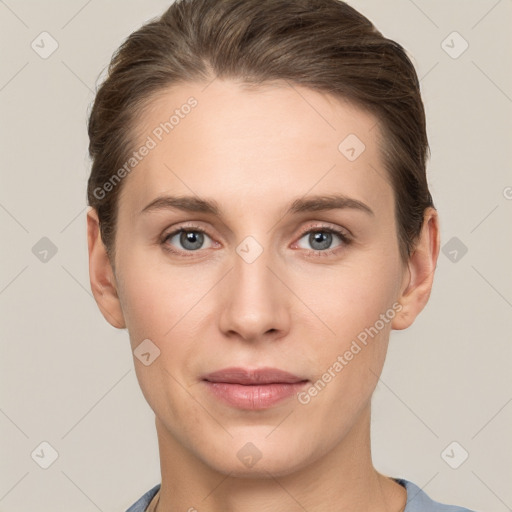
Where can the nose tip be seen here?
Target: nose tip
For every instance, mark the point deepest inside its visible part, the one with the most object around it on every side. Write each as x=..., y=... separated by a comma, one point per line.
x=255, y=304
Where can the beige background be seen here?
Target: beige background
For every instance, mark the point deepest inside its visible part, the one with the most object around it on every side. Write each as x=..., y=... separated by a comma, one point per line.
x=67, y=376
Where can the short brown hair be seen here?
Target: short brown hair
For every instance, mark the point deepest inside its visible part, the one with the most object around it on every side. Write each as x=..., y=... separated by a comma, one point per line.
x=325, y=45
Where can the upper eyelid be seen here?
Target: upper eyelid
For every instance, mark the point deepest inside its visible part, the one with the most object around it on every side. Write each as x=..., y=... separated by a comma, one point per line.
x=177, y=230
x=339, y=230
x=317, y=227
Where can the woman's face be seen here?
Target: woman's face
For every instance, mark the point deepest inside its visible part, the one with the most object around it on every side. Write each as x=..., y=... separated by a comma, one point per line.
x=267, y=274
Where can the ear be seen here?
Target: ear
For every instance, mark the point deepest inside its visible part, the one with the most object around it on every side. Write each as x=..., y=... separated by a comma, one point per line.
x=101, y=274
x=419, y=277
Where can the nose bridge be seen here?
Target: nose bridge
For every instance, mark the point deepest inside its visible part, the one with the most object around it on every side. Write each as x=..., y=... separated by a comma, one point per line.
x=256, y=302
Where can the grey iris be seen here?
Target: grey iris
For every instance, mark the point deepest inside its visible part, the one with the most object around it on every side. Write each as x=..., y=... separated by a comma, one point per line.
x=191, y=240
x=323, y=240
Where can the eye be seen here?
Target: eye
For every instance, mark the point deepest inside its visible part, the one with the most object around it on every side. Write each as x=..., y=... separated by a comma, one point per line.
x=187, y=239
x=321, y=239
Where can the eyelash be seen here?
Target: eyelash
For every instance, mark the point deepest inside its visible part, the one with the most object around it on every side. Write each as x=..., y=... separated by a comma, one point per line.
x=344, y=237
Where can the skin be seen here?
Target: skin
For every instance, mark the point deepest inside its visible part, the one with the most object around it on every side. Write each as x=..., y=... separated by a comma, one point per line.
x=295, y=307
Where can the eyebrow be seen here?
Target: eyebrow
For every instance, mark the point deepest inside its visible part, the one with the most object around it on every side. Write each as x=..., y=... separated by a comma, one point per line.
x=330, y=202
x=308, y=204
x=185, y=203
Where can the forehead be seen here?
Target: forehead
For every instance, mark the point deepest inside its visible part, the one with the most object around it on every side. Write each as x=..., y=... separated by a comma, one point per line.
x=243, y=143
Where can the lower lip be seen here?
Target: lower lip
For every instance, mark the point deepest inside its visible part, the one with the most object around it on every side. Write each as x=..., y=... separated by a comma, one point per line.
x=261, y=396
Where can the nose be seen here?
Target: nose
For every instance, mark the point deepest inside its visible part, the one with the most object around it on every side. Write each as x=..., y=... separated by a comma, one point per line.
x=255, y=303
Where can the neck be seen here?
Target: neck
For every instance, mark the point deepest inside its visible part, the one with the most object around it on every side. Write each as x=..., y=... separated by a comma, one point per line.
x=341, y=480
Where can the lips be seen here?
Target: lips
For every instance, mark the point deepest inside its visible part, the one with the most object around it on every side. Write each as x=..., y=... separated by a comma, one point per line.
x=251, y=377
x=256, y=389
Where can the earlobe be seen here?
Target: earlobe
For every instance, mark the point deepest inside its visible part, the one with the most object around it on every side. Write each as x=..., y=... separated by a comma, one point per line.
x=101, y=275
x=420, y=270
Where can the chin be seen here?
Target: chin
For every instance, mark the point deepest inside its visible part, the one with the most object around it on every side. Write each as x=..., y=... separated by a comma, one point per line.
x=255, y=457
x=266, y=467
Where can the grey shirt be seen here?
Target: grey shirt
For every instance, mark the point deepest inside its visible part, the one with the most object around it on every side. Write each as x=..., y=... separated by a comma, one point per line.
x=417, y=500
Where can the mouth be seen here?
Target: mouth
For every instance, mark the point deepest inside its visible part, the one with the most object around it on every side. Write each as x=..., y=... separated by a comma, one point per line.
x=255, y=389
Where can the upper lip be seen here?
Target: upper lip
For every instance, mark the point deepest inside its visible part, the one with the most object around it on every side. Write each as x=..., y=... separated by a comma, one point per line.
x=255, y=376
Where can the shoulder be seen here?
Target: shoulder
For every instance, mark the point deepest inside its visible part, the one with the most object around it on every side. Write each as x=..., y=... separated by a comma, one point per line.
x=141, y=504
x=419, y=501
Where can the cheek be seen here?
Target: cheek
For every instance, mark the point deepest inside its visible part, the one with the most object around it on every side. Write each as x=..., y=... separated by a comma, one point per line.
x=349, y=361
x=162, y=304
x=357, y=303
x=350, y=298
x=154, y=297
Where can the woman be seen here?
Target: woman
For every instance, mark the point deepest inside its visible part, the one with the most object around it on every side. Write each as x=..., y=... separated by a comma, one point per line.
x=260, y=221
